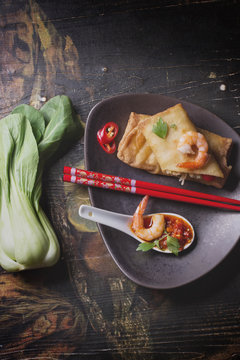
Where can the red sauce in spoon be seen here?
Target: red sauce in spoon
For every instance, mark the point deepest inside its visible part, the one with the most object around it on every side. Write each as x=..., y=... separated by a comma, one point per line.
x=175, y=227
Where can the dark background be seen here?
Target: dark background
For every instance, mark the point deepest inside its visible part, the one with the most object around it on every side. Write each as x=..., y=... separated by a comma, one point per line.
x=84, y=307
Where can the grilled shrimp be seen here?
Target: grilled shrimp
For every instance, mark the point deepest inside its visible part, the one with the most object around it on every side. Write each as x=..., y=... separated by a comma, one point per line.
x=186, y=144
x=156, y=227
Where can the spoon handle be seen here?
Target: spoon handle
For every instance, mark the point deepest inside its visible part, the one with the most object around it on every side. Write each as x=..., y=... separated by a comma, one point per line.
x=105, y=217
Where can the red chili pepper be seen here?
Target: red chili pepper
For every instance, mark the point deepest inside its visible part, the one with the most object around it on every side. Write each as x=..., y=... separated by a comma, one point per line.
x=106, y=137
x=108, y=132
x=108, y=147
x=208, y=177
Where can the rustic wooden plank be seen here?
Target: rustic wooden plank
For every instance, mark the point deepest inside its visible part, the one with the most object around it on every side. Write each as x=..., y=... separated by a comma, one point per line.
x=84, y=307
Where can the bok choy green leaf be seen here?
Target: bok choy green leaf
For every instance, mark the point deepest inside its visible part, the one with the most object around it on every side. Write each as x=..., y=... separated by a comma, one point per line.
x=28, y=140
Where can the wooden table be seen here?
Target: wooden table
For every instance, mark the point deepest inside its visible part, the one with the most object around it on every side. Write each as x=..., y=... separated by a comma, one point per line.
x=84, y=307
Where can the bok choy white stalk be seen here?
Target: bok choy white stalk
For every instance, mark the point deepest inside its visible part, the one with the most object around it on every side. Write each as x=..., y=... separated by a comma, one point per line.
x=30, y=139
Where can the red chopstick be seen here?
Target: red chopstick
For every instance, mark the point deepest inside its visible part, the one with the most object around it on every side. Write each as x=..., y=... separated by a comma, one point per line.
x=142, y=191
x=145, y=185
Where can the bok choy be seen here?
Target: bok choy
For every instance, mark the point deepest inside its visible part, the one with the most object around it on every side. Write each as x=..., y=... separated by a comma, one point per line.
x=30, y=139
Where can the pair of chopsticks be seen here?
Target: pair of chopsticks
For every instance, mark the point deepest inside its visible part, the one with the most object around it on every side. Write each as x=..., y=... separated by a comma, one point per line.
x=104, y=181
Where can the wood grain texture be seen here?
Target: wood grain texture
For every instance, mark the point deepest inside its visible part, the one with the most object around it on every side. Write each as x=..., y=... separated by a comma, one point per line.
x=84, y=307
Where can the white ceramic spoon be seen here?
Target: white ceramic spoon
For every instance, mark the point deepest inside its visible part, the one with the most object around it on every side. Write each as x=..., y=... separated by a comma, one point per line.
x=121, y=222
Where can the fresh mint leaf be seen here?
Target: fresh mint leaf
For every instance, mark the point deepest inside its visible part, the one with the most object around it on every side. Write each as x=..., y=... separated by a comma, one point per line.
x=173, y=244
x=145, y=246
x=160, y=128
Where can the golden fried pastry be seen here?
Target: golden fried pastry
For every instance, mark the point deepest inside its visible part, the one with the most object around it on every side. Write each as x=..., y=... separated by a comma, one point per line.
x=133, y=148
x=140, y=147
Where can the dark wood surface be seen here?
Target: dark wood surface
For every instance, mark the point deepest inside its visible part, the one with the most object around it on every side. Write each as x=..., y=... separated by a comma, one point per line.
x=84, y=307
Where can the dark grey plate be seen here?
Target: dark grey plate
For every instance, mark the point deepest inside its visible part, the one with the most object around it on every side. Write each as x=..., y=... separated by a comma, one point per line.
x=217, y=231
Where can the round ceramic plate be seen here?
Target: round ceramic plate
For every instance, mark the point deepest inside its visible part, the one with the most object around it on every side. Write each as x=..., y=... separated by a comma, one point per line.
x=217, y=231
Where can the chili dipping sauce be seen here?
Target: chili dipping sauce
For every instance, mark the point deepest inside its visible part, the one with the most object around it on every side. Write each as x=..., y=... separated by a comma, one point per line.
x=175, y=227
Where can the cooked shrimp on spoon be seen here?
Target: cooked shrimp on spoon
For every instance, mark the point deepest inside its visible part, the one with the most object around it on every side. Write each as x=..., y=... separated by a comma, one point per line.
x=186, y=145
x=156, y=227
x=172, y=232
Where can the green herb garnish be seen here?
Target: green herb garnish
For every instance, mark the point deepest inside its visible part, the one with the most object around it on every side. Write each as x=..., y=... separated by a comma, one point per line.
x=173, y=244
x=160, y=128
x=173, y=126
x=145, y=246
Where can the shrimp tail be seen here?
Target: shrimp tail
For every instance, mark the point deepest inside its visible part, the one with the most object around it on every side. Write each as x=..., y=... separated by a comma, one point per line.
x=138, y=215
x=188, y=165
x=142, y=206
